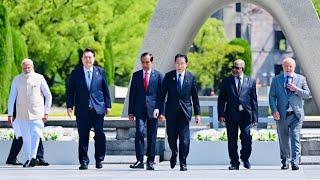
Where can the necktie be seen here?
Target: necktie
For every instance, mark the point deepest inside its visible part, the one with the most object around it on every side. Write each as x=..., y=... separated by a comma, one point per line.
x=289, y=80
x=146, y=81
x=88, y=79
x=239, y=83
x=179, y=82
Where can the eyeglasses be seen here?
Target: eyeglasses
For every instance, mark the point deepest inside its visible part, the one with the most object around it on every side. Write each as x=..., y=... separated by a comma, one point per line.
x=235, y=67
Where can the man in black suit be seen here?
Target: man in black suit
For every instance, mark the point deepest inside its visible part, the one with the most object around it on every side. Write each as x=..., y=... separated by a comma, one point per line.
x=180, y=87
x=16, y=146
x=238, y=108
x=145, y=86
x=87, y=91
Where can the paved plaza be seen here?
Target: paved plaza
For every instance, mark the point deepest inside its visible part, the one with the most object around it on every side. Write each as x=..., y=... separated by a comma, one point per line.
x=122, y=171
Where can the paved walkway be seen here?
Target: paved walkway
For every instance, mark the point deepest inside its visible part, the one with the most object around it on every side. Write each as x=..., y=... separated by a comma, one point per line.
x=121, y=171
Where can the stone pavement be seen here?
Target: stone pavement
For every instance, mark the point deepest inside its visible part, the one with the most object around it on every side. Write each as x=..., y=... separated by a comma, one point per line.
x=122, y=171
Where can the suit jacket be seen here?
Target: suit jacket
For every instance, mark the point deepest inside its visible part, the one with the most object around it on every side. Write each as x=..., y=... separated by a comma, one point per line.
x=279, y=99
x=78, y=94
x=229, y=99
x=176, y=99
x=139, y=99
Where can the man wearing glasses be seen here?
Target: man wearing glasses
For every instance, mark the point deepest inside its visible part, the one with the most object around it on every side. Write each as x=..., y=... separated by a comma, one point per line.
x=238, y=108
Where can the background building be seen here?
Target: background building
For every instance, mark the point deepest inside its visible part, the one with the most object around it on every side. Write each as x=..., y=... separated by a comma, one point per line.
x=268, y=43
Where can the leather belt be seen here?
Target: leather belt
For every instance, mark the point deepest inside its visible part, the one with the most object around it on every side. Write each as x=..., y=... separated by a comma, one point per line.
x=289, y=113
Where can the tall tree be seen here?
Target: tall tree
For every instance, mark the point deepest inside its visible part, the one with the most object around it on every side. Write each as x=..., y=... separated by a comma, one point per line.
x=209, y=54
x=6, y=57
x=56, y=30
x=109, y=61
x=20, y=50
x=246, y=55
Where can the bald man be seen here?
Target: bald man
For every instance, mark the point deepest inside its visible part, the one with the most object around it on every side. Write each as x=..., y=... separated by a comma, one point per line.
x=238, y=108
x=287, y=92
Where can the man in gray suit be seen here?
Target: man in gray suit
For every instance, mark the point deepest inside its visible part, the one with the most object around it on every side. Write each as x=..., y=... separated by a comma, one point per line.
x=286, y=102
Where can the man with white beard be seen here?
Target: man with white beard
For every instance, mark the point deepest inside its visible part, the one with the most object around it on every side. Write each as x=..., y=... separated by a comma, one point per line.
x=33, y=100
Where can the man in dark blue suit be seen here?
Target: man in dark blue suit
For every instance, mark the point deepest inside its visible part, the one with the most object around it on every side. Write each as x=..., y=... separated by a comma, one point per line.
x=180, y=87
x=238, y=108
x=145, y=86
x=88, y=92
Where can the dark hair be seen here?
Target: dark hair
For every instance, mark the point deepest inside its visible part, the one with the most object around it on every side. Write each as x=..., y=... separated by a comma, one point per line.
x=180, y=56
x=88, y=50
x=146, y=54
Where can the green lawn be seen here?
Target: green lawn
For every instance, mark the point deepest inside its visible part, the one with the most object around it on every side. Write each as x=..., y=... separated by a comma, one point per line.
x=116, y=110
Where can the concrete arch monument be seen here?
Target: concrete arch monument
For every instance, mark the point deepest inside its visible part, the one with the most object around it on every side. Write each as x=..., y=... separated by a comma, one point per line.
x=175, y=24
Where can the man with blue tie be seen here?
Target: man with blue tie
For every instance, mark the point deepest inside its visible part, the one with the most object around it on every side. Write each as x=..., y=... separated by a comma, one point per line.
x=238, y=108
x=87, y=91
x=287, y=93
x=179, y=86
x=145, y=86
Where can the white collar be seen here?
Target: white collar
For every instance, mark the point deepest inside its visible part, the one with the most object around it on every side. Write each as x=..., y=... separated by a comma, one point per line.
x=144, y=72
x=285, y=75
x=85, y=69
x=182, y=74
x=241, y=76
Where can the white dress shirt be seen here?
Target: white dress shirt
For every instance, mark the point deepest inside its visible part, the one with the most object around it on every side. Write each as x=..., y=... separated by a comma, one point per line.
x=236, y=80
x=88, y=81
x=144, y=73
x=285, y=79
x=181, y=78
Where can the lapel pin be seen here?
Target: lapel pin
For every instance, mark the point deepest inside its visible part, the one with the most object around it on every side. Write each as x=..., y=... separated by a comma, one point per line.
x=174, y=78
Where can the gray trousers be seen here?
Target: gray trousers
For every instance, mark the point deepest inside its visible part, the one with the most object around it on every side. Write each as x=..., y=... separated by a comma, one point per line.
x=289, y=139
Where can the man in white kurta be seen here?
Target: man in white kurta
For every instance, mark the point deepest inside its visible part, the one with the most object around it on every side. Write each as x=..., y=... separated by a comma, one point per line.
x=33, y=99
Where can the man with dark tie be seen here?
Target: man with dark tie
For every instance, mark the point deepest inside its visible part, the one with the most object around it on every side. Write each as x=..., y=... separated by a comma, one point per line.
x=238, y=108
x=287, y=93
x=87, y=91
x=179, y=86
x=145, y=86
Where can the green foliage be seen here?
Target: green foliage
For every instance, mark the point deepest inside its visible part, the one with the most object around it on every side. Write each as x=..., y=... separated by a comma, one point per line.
x=117, y=109
x=55, y=31
x=244, y=55
x=210, y=55
x=224, y=136
x=316, y=4
x=109, y=61
x=20, y=50
x=6, y=57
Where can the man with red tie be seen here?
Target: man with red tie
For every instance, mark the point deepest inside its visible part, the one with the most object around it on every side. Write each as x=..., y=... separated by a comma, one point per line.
x=145, y=85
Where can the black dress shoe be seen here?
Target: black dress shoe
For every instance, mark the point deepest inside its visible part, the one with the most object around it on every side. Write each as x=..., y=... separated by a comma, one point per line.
x=173, y=162
x=42, y=162
x=137, y=165
x=14, y=162
x=26, y=164
x=99, y=165
x=294, y=167
x=183, y=168
x=285, y=166
x=231, y=167
x=33, y=162
x=247, y=164
x=83, y=166
x=150, y=166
